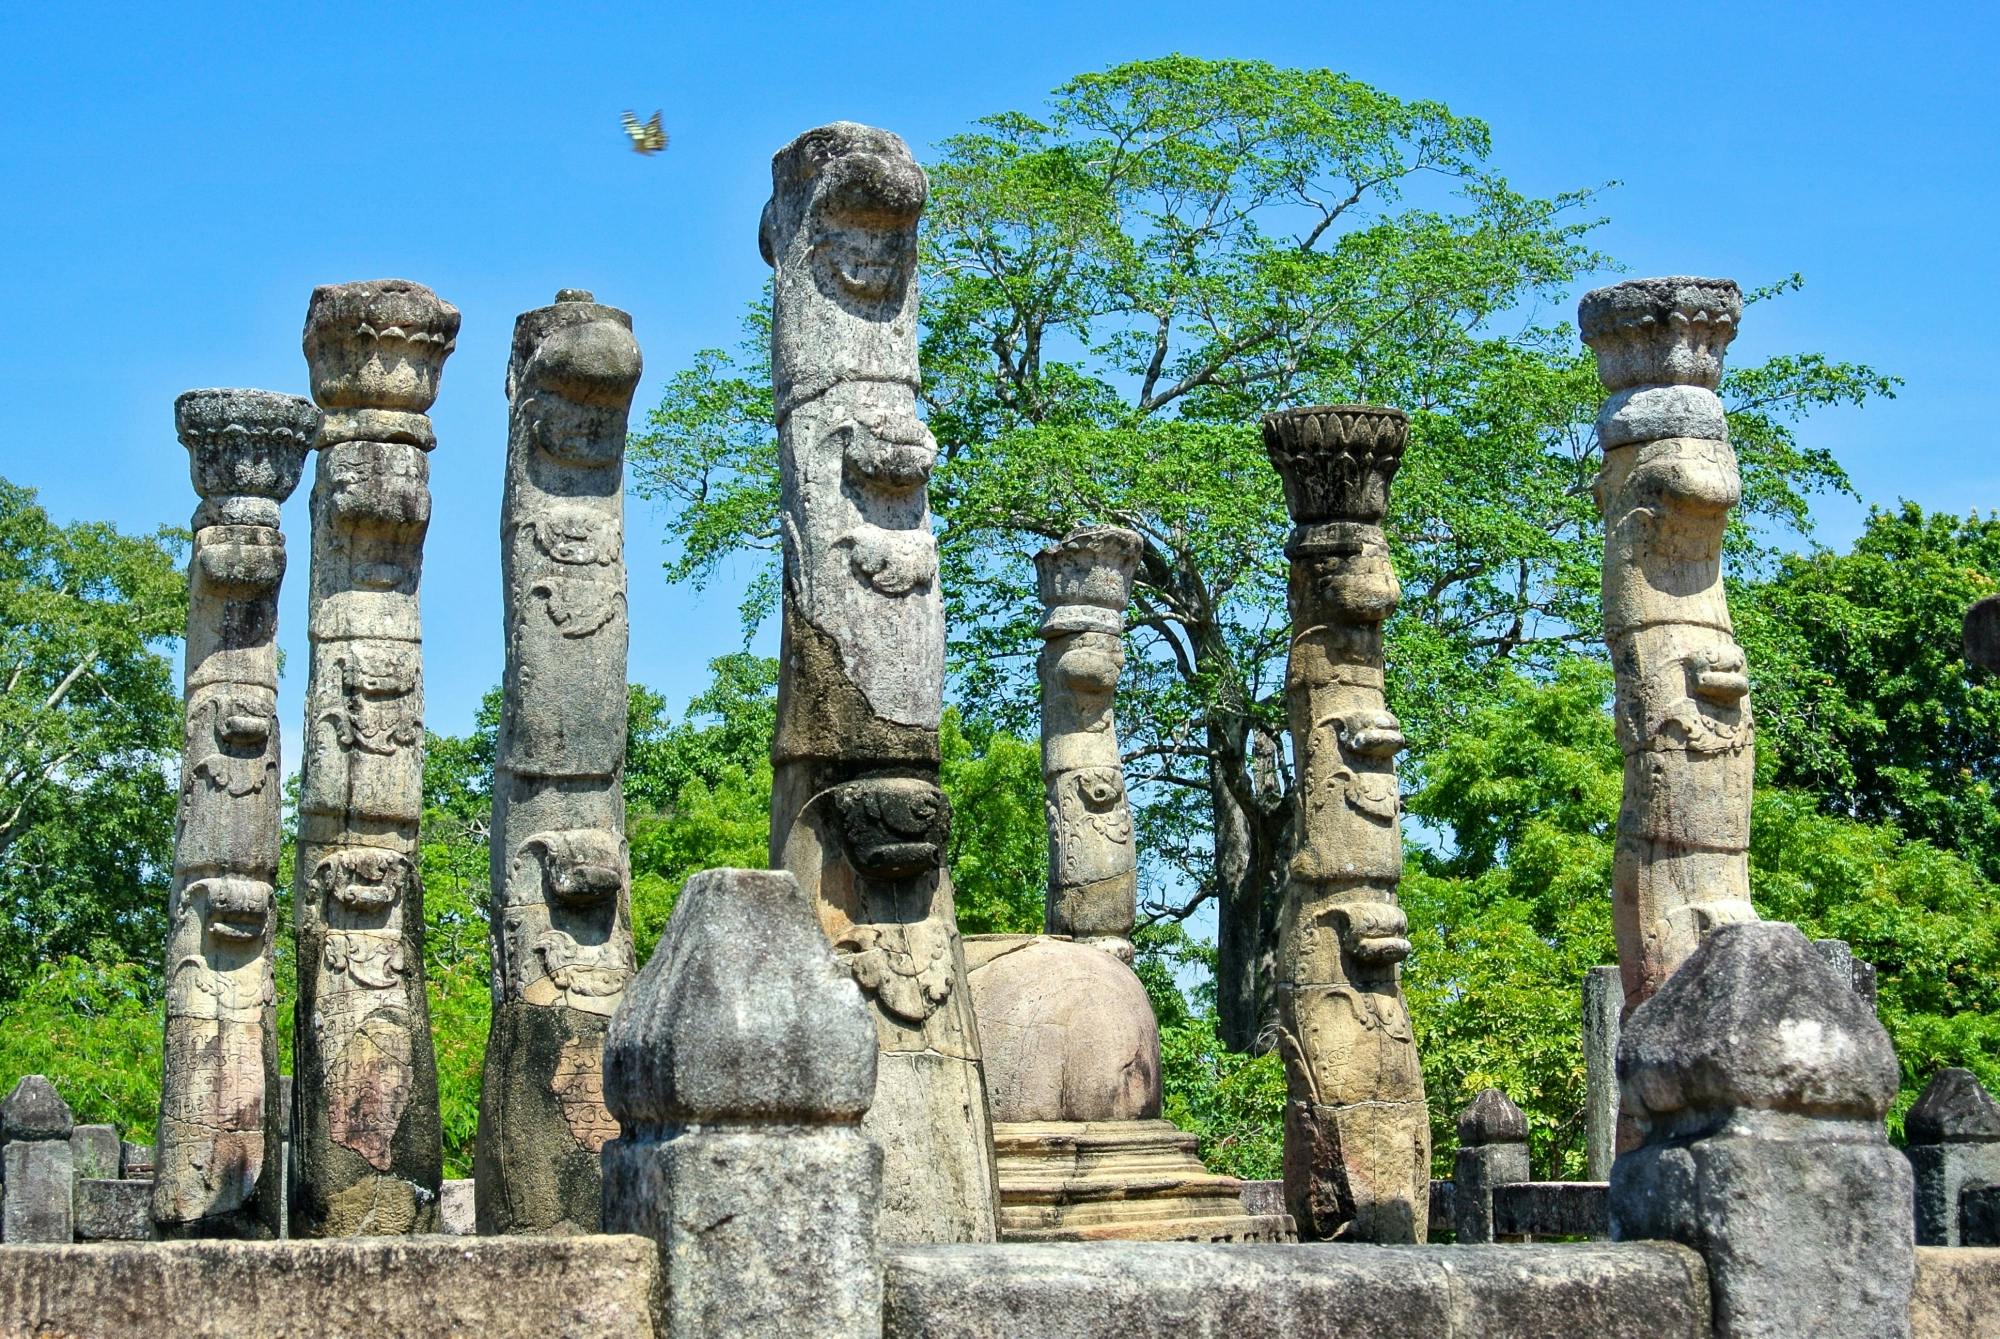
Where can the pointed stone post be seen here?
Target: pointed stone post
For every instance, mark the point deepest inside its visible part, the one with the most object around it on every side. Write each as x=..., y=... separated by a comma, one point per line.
x=739, y=1066
x=1666, y=489
x=218, y=1168
x=1953, y=1135
x=367, y=1155
x=856, y=813
x=1758, y=1080
x=561, y=874
x=1357, y=1131
x=40, y=1171
x=1492, y=1151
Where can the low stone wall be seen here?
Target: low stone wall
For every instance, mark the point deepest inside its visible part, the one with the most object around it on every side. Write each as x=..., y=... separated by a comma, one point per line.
x=1107, y=1291
x=407, y=1288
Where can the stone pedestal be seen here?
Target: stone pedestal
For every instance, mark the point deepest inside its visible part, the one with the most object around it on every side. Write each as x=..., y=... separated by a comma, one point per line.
x=39, y=1173
x=1953, y=1143
x=1124, y=1180
x=1492, y=1151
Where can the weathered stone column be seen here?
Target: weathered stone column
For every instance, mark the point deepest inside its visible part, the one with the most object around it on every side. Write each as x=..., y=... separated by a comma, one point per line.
x=561, y=912
x=1683, y=714
x=1085, y=583
x=367, y=1154
x=1953, y=1135
x=218, y=1169
x=1492, y=1151
x=1357, y=1131
x=1759, y=1079
x=1603, y=1008
x=39, y=1170
x=739, y=1065
x=856, y=812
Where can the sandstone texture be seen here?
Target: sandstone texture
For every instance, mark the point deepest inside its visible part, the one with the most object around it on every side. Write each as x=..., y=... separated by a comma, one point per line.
x=1067, y=1031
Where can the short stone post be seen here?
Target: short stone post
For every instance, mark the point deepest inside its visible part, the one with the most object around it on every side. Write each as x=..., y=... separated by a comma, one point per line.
x=367, y=1154
x=561, y=915
x=739, y=1065
x=35, y=1125
x=1492, y=1151
x=1603, y=1002
x=93, y=1150
x=1666, y=489
x=1758, y=1080
x=217, y=1148
x=1357, y=1130
x=1953, y=1142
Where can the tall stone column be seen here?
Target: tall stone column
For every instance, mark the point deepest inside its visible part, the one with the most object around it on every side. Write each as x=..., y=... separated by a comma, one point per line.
x=218, y=1170
x=367, y=1153
x=1357, y=1131
x=856, y=811
x=1085, y=583
x=561, y=914
x=1683, y=710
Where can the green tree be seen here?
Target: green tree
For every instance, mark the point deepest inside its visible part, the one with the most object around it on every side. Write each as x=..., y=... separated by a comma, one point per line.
x=1115, y=289
x=90, y=738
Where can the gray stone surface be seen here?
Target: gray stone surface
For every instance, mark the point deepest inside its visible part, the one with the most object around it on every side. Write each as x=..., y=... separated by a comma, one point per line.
x=1667, y=486
x=1759, y=1080
x=94, y=1151
x=1953, y=1142
x=110, y=1209
x=1957, y=1293
x=1263, y=1198
x=40, y=1184
x=1357, y=1131
x=135, y=1160
x=1860, y=974
x=1979, y=1215
x=367, y=1156
x=1603, y=1003
x=420, y=1288
x=1130, y=1290
x=739, y=1066
x=856, y=811
x=457, y=1211
x=561, y=873
x=1492, y=1152
x=1552, y=1209
x=217, y=1166
x=35, y=1110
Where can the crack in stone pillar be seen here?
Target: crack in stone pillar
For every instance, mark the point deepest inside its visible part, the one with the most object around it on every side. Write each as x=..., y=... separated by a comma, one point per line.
x=367, y=1149
x=561, y=871
x=1357, y=1130
x=218, y=1166
x=857, y=814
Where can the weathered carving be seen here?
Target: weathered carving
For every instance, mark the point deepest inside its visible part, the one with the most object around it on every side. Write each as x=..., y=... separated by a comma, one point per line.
x=561, y=901
x=1683, y=707
x=1357, y=1132
x=856, y=813
x=218, y=1131
x=367, y=1157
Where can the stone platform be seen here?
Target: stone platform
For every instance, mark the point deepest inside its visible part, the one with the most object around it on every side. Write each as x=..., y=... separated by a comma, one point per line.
x=1118, y=1180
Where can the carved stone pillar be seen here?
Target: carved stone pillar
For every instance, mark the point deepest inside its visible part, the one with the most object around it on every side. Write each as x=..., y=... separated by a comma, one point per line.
x=367, y=1155
x=857, y=814
x=1683, y=711
x=218, y=1170
x=561, y=914
x=1357, y=1132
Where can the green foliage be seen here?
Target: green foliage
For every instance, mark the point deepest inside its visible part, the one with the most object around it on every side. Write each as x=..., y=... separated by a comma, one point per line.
x=94, y=1029
x=90, y=739
x=999, y=854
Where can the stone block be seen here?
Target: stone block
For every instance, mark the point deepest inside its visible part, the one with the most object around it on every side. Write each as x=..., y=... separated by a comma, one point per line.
x=1979, y=1215
x=135, y=1161
x=455, y=1209
x=95, y=1152
x=1957, y=1293
x=35, y=1110
x=1954, y=1143
x=1263, y=1198
x=40, y=1184
x=109, y=1209
x=1553, y=1209
x=408, y=1288
x=1493, y=1151
x=1129, y=1290
x=1603, y=1004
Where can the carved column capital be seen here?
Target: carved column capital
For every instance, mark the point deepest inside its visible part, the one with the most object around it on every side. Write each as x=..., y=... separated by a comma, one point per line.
x=1661, y=332
x=378, y=344
x=246, y=450
x=1336, y=462
x=1085, y=580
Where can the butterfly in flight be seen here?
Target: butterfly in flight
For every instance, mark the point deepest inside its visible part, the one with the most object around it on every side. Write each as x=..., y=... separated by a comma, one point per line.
x=647, y=138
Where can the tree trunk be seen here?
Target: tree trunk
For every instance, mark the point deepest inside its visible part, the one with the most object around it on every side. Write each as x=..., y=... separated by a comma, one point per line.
x=1249, y=878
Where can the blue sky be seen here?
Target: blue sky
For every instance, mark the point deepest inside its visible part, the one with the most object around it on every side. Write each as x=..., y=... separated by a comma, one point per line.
x=177, y=181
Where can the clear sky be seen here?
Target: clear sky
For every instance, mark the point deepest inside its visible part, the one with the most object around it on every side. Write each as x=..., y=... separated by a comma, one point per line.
x=176, y=183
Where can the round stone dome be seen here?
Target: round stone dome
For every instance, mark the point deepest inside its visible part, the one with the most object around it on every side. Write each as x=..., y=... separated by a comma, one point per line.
x=1067, y=1030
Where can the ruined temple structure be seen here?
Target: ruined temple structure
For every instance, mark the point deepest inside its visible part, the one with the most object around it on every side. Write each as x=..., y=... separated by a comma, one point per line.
x=1072, y=1047
x=1683, y=696
x=856, y=814
x=218, y=1171
x=1357, y=1131
x=367, y=1157
x=561, y=912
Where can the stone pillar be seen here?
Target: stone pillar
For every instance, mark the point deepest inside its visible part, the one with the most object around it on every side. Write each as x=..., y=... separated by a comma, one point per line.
x=40, y=1174
x=367, y=1156
x=739, y=1066
x=561, y=911
x=1357, y=1132
x=1492, y=1151
x=856, y=813
x=1603, y=1003
x=1666, y=489
x=218, y=1171
x=1953, y=1141
x=1758, y=1080
x=1085, y=583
